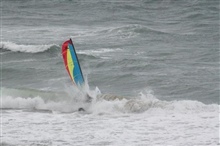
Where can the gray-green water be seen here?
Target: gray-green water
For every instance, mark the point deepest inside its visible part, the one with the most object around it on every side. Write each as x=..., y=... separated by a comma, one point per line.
x=163, y=55
x=125, y=47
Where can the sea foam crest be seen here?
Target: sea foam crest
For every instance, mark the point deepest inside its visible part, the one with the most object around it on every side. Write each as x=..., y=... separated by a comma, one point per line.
x=147, y=102
x=37, y=103
x=108, y=104
x=24, y=48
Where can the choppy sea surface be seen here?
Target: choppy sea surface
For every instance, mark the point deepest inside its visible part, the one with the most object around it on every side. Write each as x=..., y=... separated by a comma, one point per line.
x=161, y=56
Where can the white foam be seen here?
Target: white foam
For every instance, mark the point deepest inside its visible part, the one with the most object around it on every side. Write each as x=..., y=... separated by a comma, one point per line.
x=144, y=120
x=147, y=102
x=68, y=101
x=38, y=103
x=24, y=48
x=108, y=122
x=75, y=98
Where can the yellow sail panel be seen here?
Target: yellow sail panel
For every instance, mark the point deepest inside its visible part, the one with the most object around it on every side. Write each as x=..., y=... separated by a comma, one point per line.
x=70, y=64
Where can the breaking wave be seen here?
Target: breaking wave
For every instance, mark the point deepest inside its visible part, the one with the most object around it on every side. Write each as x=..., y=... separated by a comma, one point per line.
x=6, y=47
x=10, y=46
x=102, y=103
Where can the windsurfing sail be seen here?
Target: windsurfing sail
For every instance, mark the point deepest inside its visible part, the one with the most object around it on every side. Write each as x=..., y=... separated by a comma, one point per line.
x=71, y=62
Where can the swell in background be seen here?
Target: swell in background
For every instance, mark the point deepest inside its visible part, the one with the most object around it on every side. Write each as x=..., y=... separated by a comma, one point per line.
x=170, y=47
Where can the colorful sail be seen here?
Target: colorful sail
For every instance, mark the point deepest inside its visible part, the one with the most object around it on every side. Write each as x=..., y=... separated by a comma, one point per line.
x=71, y=62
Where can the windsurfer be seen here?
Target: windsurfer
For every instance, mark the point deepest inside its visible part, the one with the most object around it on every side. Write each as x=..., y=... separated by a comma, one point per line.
x=81, y=109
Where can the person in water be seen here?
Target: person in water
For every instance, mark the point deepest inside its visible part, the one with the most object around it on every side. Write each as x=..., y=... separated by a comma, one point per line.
x=81, y=109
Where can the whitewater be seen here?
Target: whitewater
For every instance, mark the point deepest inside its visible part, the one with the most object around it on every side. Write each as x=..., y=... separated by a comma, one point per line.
x=141, y=121
x=152, y=68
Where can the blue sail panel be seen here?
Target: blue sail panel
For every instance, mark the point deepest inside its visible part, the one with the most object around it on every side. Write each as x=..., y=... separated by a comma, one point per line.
x=77, y=73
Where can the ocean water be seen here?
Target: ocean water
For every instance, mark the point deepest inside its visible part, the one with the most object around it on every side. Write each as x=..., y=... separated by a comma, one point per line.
x=158, y=60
